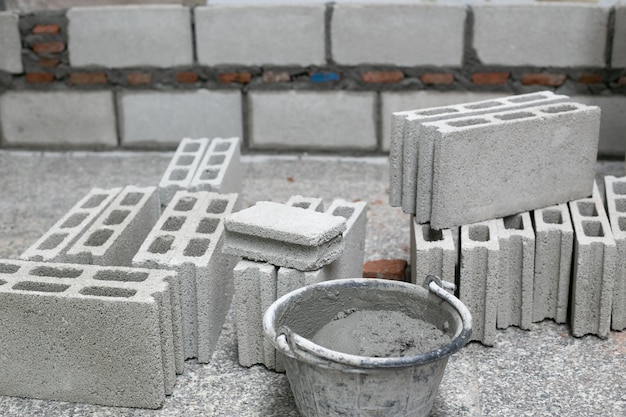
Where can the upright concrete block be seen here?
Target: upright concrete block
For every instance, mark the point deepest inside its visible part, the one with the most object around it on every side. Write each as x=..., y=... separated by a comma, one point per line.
x=516, y=239
x=618, y=56
x=479, y=270
x=472, y=183
x=117, y=234
x=10, y=43
x=130, y=36
x=615, y=191
x=554, y=242
x=220, y=169
x=254, y=35
x=501, y=35
x=593, y=268
x=53, y=245
x=433, y=252
x=367, y=34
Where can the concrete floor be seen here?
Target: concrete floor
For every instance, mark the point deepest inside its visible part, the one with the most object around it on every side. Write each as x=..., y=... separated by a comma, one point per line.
x=542, y=372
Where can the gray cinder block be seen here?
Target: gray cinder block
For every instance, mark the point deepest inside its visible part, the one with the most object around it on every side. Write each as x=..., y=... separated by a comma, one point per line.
x=615, y=191
x=189, y=238
x=554, y=242
x=479, y=270
x=10, y=43
x=500, y=164
x=51, y=247
x=116, y=235
x=182, y=168
x=517, y=265
x=285, y=236
x=433, y=252
x=618, y=57
x=220, y=169
x=82, y=333
x=593, y=267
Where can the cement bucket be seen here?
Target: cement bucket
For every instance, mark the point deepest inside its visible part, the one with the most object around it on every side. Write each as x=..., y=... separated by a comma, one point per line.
x=328, y=382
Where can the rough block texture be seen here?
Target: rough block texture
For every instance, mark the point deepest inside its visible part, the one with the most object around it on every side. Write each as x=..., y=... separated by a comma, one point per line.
x=612, y=122
x=517, y=265
x=10, y=43
x=534, y=177
x=86, y=334
x=130, y=36
x=312, y=120
x=593, y=268
x=615, y=192
x=220, y=168
x=479, y=274
x=618, y=57
x=163, y=118
x=433, y=252
x=260, y=34
x=53, y=245
x=368, y=34
x=58, y=118
x=576, y=34
x=116, y=235
x=554, y=245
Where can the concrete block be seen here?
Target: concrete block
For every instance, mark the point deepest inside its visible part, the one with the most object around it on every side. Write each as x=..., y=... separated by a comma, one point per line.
x=615, y=191
x=162, y=118
x=10, y=43
x=312, y=120
x=63, y=338
x=53, y=245
x=58, y=118
x=532, y=177
x=612, y=122
x=368, y=34
x=285, y=236
x=310, y=203
x=479, y=273
x=182, y=168
x=130, y=36
x=188, y=238
x=593, y=267
x=554, y=243
x=501, y=35
x=618, y=56
x=256, y=35
x=516, y=239
x=220, y=170
x=433, y=252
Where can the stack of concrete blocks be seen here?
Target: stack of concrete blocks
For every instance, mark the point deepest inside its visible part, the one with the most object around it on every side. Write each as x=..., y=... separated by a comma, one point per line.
x=188, y=238
x=615, y=192
x=82, y=333
x=258, y=283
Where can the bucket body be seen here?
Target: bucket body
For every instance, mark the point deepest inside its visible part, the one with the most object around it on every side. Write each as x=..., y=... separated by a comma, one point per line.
x=330, y=383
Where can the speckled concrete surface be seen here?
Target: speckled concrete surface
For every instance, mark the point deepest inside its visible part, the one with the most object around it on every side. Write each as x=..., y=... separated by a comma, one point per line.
x=543, y=372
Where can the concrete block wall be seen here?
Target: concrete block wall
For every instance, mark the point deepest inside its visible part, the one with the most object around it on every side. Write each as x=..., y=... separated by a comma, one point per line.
x=320, y=77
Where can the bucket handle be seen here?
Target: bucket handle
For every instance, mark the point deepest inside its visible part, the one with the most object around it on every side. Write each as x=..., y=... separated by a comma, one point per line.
x=307, y=351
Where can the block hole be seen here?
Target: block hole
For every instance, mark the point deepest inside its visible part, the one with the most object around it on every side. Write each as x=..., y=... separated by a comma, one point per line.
x=559, y=109
x=587, y=209
x=514, y=222
x=99, y=237
x=122, y=276
x=178, y=174
x=74, y=220
x=619, y=188
x=622, y=224
x=514, y=116
x=552, y=216
x=485, y=105
x=116, y=217
x=620, y=205
x=94, y=201
x=108, y=292
x=302, y=205
x=222, y=147
x=196, y=247
x=185, y=204
x=208, y=225
x=468, y=122
x=131, y=199
x=209, y=174
x=217, y=206
x=345, y=212
x=191, y=147
x=161, y=244
x=40, y=286
x=185, y=160
x=2, y=282
x=54, y=272
x=216, y=160
x=526, y=99
x=435, y=112
x=173, y=223
x=479, y=233
x=9, y=268
x=593, y=229
x=432, y=235
x=52, y=241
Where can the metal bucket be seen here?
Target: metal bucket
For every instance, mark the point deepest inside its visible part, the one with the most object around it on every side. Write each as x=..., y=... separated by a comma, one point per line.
x=330, y=383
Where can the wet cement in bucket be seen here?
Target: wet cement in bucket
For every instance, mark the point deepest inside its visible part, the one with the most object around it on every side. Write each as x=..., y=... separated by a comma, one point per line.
x=380, y=334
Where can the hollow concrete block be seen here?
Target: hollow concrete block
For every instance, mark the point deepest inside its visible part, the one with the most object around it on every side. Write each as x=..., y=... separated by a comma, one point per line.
x=220, y=169
x=433, y=252
x=554, y=241
x=615, y=191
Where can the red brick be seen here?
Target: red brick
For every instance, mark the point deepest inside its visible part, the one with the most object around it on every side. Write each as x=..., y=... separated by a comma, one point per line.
x=187, y=77
x=393, y=269
x=490, y=78
x=235, y=77
x=88, y=78
x=51, y=29
x=39, y=77
x=380, y=77
x=276, y=77
x=139, y=78
x=48, y=47
x=622, y=80
x=49, y=62
x=551, y=80
x=591, y=79
x=437, y=78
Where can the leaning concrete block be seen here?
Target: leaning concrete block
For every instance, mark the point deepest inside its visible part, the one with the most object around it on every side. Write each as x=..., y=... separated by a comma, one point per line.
x=593, y=268
x=182, y=168
x=310, y=203
x=285, y=236
x=220, y=169
x=117, y=234
x=516, y=239
x=465, y=191
x=10, y=43
x=53, y=245
x=480, y=264
x=615, y=191
x=554, y=240
x=433, y=252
